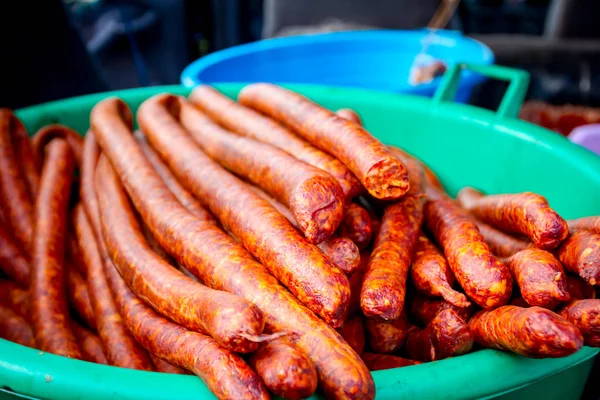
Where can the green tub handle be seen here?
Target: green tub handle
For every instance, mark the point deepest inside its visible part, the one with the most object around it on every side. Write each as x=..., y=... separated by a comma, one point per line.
x=513, y=98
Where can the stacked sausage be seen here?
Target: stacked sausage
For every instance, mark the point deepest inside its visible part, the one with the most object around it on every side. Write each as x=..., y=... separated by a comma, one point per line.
x=272, y=246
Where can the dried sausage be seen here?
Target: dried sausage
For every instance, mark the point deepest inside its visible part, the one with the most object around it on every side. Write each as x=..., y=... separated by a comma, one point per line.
x=247, y=122
x=531, y=332
x=223, y=264
x=587, y=223
x=50, y=132
x=79, y=298
x=500, y=243
x=232, y=321
x=484, y=279
x=87, y=192
x=356, y=225
x=378, y=362
x=580, y=254
x=16, y=298
x=386, y=336
x=13, y=261
x=525, y=213
x=380, y=173
x=165, y=367
x=90, y=344
x=353, y=332
x=356, y=281
x=424, y=309
x=285, y=370
x=50, y=314
x=14, y=328
x=579, y=289
x=267, y=235
x=584, y=314
x=431, y=275
x=541, y=278
x=350, y=115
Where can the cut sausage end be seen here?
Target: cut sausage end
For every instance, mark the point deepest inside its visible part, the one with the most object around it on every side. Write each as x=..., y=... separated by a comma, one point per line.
x=387, y=180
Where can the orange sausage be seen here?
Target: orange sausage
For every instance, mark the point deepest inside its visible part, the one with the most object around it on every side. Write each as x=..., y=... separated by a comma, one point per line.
x=386, y=336
x=356, y=281
x=90, y=344
x=580, y=254
x=424, y=309
x=531, y=332
x=16, y=298
x=353, y=332
x=285, y=370
x=87, y=192
x=79, y=298
x=586, y=223
x=50, y=314
x=14, y=328
x=13, y=261
x=265, y=233
x=540, y=276
x=579, y=289
x=313, y=196
x=484, y=279
x=246, y=122
x=378, y=362
x=350, y=115
x=379, y=172
x=223, y=264
x=525, y=213
x=232, y=321
x=500, y=243
x=431, y=275
x=584, y=314
x=50, y=132
x=356, y=225
x=165, y=367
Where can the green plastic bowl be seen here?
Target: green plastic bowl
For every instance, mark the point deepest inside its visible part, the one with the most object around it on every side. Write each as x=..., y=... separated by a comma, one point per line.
x=465, y=145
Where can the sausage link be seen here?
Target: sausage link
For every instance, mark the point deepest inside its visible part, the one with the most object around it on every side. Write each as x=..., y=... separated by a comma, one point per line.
x=500, y=243
x=87, y=192
x=356, y=225
x=246, y=122
x=431, y=275
x=313, y=196
x=353, y=332
x=580, y=254
x=14, y=328
x=225, y=373
x=424, y=309
x=79, y=298
x=118, y=344
x=541, y=278
x=531, y=332
x=379, y=172
x=17, y=205
x=356, y=282
x=447, y=335
x=579, y=289
x=16, y=298
x=484, y=279
x=350, y=115
x=232, y=321
x=525, y=213
x=50, y=314
x=216, y=259
x=267, y=235
x=73, y=252
x=285, y=370
x=50, y=132
x=379, y=362
x=165, y=367
x=90, y=344
x=587, y=223
x=13, y=261
x=155, y=246
x=584, y=314
x=384, y=284
x=519, y=302
x=386, y=336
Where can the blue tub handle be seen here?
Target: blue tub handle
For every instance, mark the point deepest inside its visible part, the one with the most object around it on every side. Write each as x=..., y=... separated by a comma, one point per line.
x=513, y=97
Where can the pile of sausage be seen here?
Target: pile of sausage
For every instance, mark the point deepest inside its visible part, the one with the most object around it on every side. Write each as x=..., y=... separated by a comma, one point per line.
x=272, y=246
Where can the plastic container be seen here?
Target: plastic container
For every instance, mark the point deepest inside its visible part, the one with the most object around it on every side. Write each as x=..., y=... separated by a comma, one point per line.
x=377, y=60
x=465, y=145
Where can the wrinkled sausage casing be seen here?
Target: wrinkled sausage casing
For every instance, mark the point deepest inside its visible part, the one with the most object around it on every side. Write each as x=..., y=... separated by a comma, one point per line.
x=531, y=332
x=380, y=173
x=580, y=254
x=386, y=336
x=484, y=279
x=378, y=362
x=584, y=314
x=356, y=225
x=525, y=213
x=424, y=309
x=500, y=243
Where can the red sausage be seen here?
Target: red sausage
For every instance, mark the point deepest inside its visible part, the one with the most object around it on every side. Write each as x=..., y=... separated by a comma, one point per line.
x=525, y=213
x=246, y=122
x=16, y=298
x=386, y=336
x=580, y=254
x=165, y=367
x=579, y=289
x=353, y=332
x=87, y=192
x=379, y=172
x=313, y=196
x=424, y=309
x=13, y=261
x=79, y=298
x=49, y=307
x=50, y=132
x=356, y=281
x=267, y=235
x=500, y=243
x=90, y=344
x=14, y=328
x=356, y=225
x=584, y=314
x=350, y=115
x=378, y=362
x=587, y=223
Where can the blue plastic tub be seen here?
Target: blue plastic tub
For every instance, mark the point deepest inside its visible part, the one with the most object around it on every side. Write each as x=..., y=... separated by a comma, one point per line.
x=377, y=60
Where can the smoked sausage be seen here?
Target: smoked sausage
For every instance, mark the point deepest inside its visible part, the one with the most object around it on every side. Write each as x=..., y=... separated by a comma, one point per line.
x=424, y=309
x=378, y=362
x=165, y=367
x=580, y=254
x=386, y=336
x=350, y=115
x=579, y=289
x=384, y=176
x=14, y=328
x=353, y=332
x=587, y=223
x=16, y=298
x=584, y=314
x=79, y=298
x=13, y=261
x=500, y=243
x=50, y=132
x=356, y=225
x=87, y=190
x=90, y=344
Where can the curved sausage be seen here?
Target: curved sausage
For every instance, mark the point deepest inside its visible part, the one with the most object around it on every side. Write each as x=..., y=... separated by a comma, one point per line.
x=267, y=235
x=372, y=163
x=223, y=264
x=79, y=298
x=16, y=298
x=50, y=132
x=378, y=362
x=386, y=336
x=431, y=275
x=531, y=332
x=14, y=328
x=579, y=289
x=225, y=373
x=50, y=314
x=350, y=115
x=247, y=122
x=285, y=370
x=356, y=281
x=525, y=213
x=587, y=223
x=580, y=254
x=584, y=314
x=313, y=196
x=541, y=278
x=87, y=190
x=73, y=252
x=353, y=332
x=424, y=309
x=500, y=243
x=13, y=261
x=119, y=346
x=165, y=367
x=356, y=225
x=232, y=321
x=484, y=279
x=90, y=344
